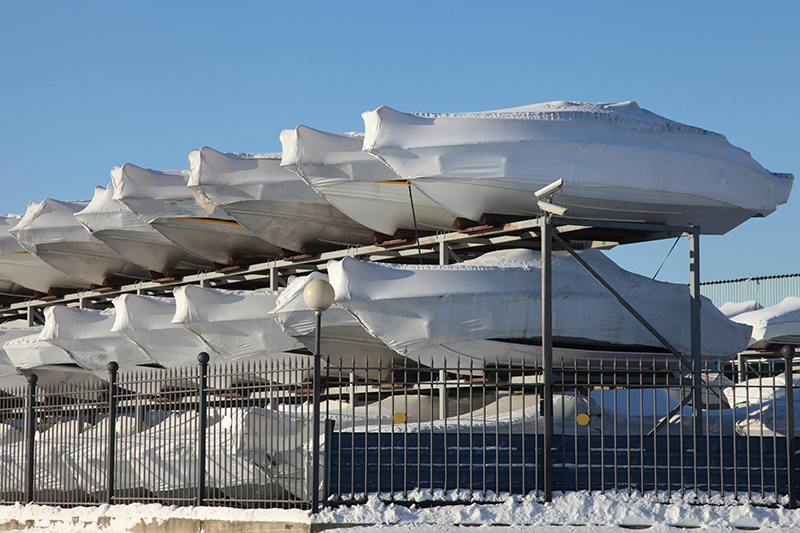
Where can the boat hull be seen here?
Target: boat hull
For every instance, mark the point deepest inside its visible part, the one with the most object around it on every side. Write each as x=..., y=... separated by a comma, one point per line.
x=385, y=206
x=34, y=273
x=298, y=224
x=220, y=241
x=152, y=251
x=93, y=262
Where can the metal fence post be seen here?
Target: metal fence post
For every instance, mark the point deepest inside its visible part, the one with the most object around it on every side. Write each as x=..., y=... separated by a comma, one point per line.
x=547, y=354
x=112, y=430
x=788, y=358
x=30, y=434
x=203, y=359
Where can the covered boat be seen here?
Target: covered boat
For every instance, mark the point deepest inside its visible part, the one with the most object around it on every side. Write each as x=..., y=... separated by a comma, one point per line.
x=488, y=311
x=773, y=326
x=234, y=323
x=358, y=184
x=9, y=287
x=344, y=341
x=270, y=201
x=85, y=334
x=147, y=322
x=30, y=354
x=27, y=272
x=130, y=236
x=162, y=199
x=617, y=162
x=10, y=379
x=51, y=232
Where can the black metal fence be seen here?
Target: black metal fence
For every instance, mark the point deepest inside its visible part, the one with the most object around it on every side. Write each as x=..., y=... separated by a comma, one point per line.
x=242, y=435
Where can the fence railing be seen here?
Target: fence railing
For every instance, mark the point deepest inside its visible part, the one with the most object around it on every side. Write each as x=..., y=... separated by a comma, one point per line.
x=242, y=435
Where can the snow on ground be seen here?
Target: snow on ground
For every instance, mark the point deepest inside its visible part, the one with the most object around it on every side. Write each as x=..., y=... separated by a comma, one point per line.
x=573, y=512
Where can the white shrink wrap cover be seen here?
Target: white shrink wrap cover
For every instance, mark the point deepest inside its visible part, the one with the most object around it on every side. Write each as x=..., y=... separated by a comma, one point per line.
x=9, y=378
x=618, y=162
x=344, y=342
x=50, y=230
x=270, y=201
x=163, y=200
x=9, y=247
x=233, y=323
x=130, y=236
x=31, y=351
x=731, y=309
x=490, y=308
x=24, y=269
x=773, y=326
x=147, y=322
x=358, y=184
x=30, y=354
x=86, y=335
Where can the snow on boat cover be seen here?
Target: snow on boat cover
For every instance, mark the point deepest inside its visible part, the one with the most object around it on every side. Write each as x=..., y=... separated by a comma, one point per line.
x=618, y=162
x=358, y=184
x=163, y=200
x=490, y=308
x=270, y=201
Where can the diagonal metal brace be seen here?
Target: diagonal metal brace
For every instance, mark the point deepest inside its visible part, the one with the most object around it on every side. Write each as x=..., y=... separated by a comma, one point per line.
x=685, y=362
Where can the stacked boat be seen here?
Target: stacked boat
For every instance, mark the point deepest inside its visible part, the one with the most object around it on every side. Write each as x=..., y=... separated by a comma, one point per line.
x=407, y=172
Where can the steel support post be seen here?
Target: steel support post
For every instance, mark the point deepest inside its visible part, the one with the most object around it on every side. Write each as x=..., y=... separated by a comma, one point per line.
x=30, y=434
x=547, y=353
x=273, y=278
x=316, y=419
x=113, y=367
x=202, y=359
x=694, y=315
x=788, y=360
x=444, y=253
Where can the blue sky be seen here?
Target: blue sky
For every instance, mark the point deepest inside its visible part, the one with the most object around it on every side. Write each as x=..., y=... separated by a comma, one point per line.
x=89, y=85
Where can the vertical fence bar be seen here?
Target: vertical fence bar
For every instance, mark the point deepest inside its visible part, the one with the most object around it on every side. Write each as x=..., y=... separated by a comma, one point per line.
x=202, y=358
x=788, y=355
x=547, y=354
x=30, y=434
x=112, y=434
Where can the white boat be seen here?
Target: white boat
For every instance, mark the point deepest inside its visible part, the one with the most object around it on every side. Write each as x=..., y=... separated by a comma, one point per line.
x=358, y=184
x=773, y=326
x=85, y=334
x=23, y=269
x=10, y=379
x=488, y=311
x=162, y=199
x=130, y=236
x=617, y=162
x=344, y=342
x=51, y=232
x=8, y=246
x=54, y=367
x=234, y=323
x=270, y=201
x=147, y=322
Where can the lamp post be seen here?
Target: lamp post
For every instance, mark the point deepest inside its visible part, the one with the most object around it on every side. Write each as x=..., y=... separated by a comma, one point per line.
x=318, y=296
